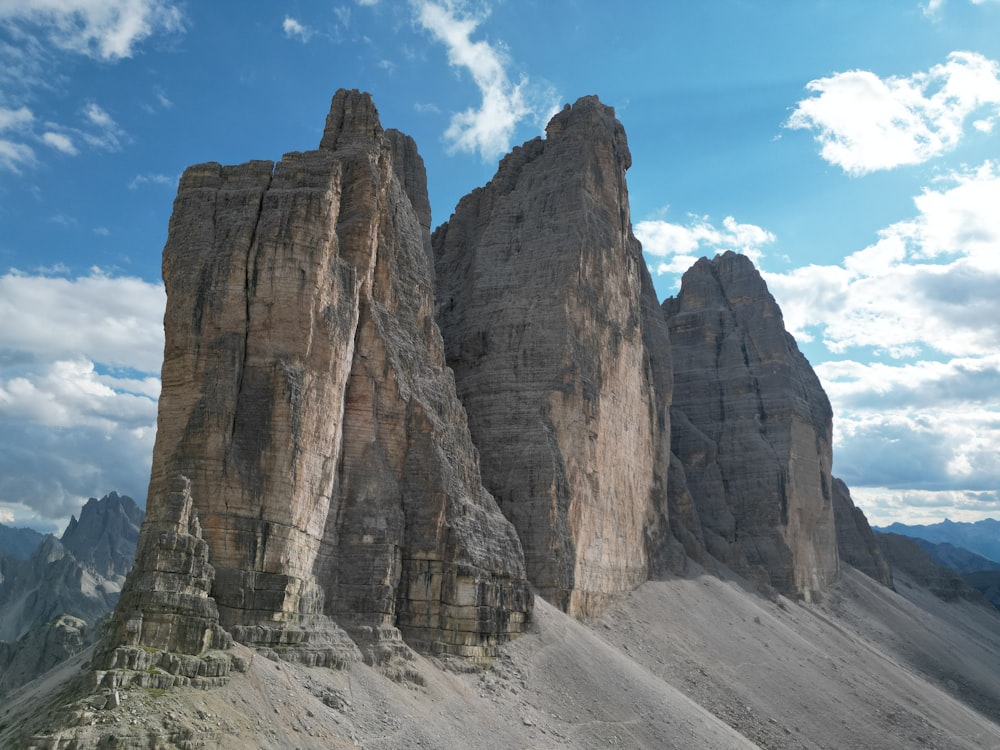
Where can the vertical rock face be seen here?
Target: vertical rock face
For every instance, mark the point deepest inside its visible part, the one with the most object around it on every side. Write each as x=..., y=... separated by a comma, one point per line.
x=306, y=399
x=752, y=429
x=561, y=357
x=856, y=542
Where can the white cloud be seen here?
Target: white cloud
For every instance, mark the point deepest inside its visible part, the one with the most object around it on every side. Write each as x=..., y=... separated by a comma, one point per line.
x=928, y=283
x=60, y=142
x=105, y=29
x=105, y=132
x=15, y=119
x=921, y=421
x=884, y=506
x=295, y=30
x=116, y=321
x=79, y=364
x=488, y=128
x=152, y=178
x=864, y=123
x=680, y=245
x=14, y=156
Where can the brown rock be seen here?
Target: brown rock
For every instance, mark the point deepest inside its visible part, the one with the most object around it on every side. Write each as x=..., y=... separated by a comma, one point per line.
x=752, y=428
x=561, y=358
x=306, y=399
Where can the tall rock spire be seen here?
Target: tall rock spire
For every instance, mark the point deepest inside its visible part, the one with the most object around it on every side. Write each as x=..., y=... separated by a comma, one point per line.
x=307, y=406
x=752, y=429
x=561, y=357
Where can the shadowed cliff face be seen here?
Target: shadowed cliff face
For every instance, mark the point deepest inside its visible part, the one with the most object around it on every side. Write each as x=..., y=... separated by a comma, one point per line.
x=752, y=429
x=856, y=542
x=306, y=402
x=561, y=358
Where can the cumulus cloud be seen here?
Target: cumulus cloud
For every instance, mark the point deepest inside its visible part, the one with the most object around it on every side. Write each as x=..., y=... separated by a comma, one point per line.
x=79, y=364
x=919, y=419
x=884, y=506
x=929, y=283
x=108, y=30
x=864, y=123
x=678, y=246
x=117, y=321
x=489, y=127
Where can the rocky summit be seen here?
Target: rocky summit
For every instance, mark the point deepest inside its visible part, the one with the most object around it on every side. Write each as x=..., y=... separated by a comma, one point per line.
x=562, y=358
x=376, y=445
x=752, y=430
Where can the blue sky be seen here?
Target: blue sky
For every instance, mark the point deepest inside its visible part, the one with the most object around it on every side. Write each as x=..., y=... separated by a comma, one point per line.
x=851, y=148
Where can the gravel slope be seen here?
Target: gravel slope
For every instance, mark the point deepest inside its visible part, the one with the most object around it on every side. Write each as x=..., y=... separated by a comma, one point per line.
x=697, y=662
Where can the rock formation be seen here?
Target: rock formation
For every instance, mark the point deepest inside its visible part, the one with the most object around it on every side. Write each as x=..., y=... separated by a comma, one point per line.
x=752, y=429
x=561, y=358
x=41, y=649
x=856, y=542
x=307, y=412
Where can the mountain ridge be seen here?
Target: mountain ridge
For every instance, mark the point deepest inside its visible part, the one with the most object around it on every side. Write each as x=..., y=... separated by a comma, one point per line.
x=485, y=466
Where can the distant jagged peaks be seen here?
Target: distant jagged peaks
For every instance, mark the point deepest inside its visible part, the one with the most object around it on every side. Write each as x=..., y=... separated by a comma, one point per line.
x=106, y=534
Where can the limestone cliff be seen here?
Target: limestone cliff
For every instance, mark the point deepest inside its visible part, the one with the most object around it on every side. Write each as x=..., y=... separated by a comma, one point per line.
x=308, y=413
x=752, y=429
x=561, y=358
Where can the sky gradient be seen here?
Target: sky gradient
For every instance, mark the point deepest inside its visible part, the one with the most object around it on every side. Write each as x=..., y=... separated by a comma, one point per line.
x=850, y=148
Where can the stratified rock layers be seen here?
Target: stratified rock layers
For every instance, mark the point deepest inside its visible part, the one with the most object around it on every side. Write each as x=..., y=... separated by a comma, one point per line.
x=306, y=399
x=561, y=357
x=752, y=429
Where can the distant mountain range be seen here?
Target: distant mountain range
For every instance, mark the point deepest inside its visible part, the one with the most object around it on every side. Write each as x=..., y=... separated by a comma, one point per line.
x=52, y=595
x=981, y=537
x=972, y=550
x=18, y=543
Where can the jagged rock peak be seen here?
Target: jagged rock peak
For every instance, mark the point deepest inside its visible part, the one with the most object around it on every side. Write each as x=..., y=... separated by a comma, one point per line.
x=584, y=120
x=562, y=359
x=307, y=402
x=106, y=534
x=353, y=121
x=752, y=429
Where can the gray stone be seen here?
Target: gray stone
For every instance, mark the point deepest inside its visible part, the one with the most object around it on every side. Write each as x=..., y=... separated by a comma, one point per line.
x=561, y=358
x=752, y=428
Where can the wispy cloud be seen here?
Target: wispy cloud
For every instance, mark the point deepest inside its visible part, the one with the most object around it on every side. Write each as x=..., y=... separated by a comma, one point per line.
x=15, y=154
x=680, y=245
x=108, y=30
x=489, y=127
x=60, y=142
x=102, y=130
x=864, y=123
x=295, y=30
x=152, y=178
